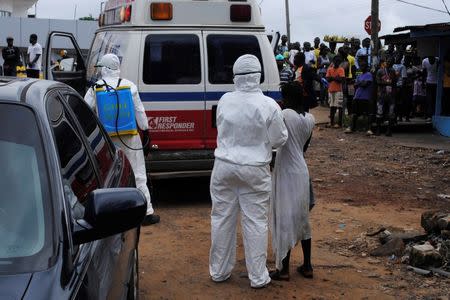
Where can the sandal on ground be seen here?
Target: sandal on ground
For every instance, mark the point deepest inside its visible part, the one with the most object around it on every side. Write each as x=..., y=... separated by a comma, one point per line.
x=277, y=275
x=305, y=273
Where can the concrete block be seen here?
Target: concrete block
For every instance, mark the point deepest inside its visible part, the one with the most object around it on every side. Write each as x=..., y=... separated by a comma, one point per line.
x=425, y=256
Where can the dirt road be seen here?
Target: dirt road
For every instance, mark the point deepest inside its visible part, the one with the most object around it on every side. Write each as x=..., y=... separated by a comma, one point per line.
x=361, y=184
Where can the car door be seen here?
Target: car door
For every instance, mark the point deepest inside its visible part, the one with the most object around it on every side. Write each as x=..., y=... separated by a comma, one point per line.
x=116, y=253
x=64, y=61
x=79, y=178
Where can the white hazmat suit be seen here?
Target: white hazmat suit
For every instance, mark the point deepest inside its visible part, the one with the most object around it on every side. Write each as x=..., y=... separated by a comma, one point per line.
x=290, y=193
x=111, y=74
x=249, y=125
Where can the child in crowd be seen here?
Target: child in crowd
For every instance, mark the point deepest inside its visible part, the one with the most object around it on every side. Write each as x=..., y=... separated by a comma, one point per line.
x=335, y=76
x=284, y=69
x=419, y=94
x=323, y=65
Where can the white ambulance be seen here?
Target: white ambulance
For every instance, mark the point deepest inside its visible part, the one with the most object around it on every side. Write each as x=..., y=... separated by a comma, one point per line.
x=180, y=53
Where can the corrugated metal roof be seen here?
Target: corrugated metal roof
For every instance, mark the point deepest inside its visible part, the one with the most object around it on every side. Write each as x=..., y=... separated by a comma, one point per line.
x=402, y=38
x=427, y=27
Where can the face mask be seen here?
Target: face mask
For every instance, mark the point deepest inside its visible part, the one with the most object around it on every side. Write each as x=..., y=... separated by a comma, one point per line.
x=247, y=73
x=108, y=73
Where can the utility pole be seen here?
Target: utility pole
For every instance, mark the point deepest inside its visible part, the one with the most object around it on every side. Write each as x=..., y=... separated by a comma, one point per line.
x=288, y=22
x=375, y=29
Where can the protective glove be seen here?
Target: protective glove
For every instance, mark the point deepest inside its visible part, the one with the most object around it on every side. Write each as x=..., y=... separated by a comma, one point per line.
x=146, y=142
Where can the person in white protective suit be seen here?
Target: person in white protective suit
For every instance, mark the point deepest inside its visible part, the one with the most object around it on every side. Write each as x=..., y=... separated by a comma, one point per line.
x=249, y=125
x=290, y=201
x=110, y=71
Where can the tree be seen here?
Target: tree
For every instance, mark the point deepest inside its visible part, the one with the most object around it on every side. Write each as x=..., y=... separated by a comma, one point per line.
x=89, y=18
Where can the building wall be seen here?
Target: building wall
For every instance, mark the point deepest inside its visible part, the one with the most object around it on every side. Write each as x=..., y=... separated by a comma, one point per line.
x=6, y=7
x=15, y=8
x=21, y=28
x=428, y=47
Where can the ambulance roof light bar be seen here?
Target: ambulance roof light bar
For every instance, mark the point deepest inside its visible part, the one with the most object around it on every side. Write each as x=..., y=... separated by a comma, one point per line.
x=184, y=13
x=116, y=12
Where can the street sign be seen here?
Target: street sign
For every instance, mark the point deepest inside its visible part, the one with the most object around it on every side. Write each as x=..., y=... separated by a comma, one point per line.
x=368, y=25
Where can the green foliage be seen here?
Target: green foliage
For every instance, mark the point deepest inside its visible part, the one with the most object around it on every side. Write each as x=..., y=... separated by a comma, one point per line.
x=88, y=18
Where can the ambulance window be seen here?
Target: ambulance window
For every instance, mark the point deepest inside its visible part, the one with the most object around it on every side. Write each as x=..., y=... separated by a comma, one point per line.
x=172, y=59
x=223, y=50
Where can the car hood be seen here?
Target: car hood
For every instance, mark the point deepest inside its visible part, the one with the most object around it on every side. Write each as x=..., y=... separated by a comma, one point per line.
x=14, y=286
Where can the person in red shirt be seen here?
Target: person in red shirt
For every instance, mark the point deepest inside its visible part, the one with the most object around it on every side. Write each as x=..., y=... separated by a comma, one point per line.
x=335, y=76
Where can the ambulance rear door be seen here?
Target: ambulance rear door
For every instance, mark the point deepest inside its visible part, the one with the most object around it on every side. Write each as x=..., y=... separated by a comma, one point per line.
x=222, y=50
x=172, y=88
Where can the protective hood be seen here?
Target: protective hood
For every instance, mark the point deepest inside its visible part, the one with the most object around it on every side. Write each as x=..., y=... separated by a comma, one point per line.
x=110, y=65
x=247, y=73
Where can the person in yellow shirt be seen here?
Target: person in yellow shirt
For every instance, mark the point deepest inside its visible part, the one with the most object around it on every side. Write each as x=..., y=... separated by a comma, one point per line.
x=316, y=50
x=349, y=91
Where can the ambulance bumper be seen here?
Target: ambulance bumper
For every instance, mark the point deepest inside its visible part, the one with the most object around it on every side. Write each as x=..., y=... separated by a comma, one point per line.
x=183, y=164
x=179, y=164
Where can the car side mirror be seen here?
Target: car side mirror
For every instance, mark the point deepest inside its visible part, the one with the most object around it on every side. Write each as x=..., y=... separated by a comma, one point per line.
x=109, y=212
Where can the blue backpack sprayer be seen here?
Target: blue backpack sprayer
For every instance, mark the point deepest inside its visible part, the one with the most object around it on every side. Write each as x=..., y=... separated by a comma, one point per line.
x=116, y=111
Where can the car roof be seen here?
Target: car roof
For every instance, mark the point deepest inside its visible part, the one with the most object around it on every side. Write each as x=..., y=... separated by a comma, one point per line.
x=26, y=90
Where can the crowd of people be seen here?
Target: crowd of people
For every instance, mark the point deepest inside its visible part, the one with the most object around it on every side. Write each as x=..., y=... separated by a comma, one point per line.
x=398, y=86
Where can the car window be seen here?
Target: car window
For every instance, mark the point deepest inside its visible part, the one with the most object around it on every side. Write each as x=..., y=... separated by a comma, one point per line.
x=96, y=137
x=25, y=202
x=224, y=50
x=76, y=167
x=172, y=59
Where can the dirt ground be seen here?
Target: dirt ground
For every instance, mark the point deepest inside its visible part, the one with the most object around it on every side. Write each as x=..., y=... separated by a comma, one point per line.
x=361, y=184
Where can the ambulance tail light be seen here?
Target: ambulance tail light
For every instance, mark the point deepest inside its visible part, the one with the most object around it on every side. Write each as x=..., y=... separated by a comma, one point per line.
x=128, y=12
x=240, y=13
x=161, y=11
